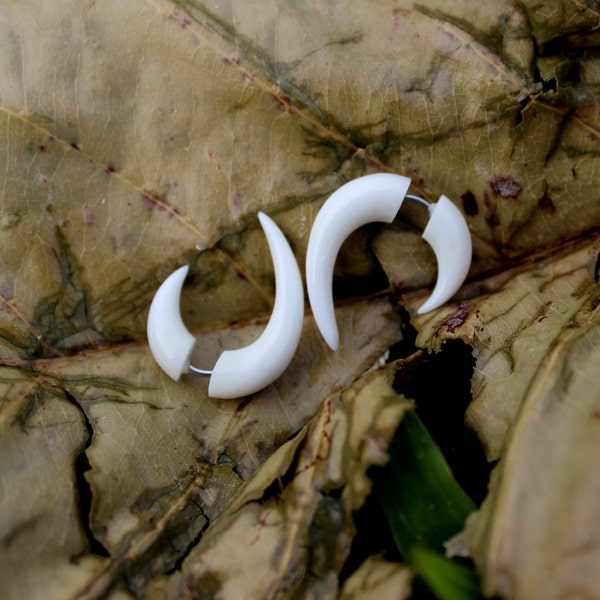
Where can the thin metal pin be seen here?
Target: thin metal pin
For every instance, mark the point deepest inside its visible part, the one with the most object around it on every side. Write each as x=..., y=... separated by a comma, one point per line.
x=418, y=200
x=198, y=371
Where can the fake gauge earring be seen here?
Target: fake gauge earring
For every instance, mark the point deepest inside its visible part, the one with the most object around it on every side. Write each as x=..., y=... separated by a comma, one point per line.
x=246, y=370
x=378, y=198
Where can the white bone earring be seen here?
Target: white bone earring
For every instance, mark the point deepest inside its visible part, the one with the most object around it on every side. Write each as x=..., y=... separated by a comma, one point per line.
x=245, y=370
x=378, y=198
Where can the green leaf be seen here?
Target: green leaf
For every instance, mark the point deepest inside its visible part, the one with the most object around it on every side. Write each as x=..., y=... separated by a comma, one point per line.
x=425, y=506
x=422, y=501
x=446, y=578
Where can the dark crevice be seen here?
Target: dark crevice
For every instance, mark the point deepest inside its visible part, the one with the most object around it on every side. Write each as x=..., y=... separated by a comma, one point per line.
x=177, y=566
x=548, y=85
x=373, y=537
x=440, y=384
x=523, y=104
x=374, y=280
x=84, y=491
x=597, y=270
x=573, y=44
x=173, y=541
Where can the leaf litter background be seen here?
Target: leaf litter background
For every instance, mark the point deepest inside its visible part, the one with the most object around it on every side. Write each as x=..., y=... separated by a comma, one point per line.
x=140, y=137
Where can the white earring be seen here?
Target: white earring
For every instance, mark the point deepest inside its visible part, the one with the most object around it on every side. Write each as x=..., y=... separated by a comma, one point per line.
x=246, y=370
x=378, y=198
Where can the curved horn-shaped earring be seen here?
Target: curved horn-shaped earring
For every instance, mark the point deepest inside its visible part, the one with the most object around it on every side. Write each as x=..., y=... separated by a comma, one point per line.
x=378, y=198
x=246, y=370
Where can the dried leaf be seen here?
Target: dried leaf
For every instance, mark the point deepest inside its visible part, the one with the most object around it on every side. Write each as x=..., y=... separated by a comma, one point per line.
x=541, y=514
x=512, y=332
x=164, y=458
x=136, y=137
x=536, y=403
x=290, y=524
x=39, y=527
x=378, y=579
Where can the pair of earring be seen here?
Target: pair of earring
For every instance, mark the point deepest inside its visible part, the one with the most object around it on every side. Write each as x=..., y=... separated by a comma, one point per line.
x=366, y=199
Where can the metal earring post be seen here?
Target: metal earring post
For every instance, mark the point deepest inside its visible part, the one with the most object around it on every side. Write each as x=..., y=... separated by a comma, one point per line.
x=198, y=371
x=418, y=200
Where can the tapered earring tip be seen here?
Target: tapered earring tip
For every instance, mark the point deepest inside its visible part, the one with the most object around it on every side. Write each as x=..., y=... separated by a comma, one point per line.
x=448, y=234
x=332, y=337
x=170, y=342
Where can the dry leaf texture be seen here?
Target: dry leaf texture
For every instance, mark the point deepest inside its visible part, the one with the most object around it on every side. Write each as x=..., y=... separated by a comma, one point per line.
x=136, y=137
x=295, y=537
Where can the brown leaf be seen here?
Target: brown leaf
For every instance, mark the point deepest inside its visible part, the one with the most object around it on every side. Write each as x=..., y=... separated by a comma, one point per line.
x=512, y=332
x=138, y=137
x=543, y=506
x=290, y=524
x=535, y=405
x=164, y=457
x=378, y=579
x=42, y=539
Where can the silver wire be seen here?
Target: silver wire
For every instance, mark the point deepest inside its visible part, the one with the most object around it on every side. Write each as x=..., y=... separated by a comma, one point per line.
x=198, y=371
x=418, y=200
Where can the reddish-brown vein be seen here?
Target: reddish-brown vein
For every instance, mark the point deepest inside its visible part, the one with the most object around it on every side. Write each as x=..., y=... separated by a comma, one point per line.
x=285, y=101
x=76, y=147
x=145, y=194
